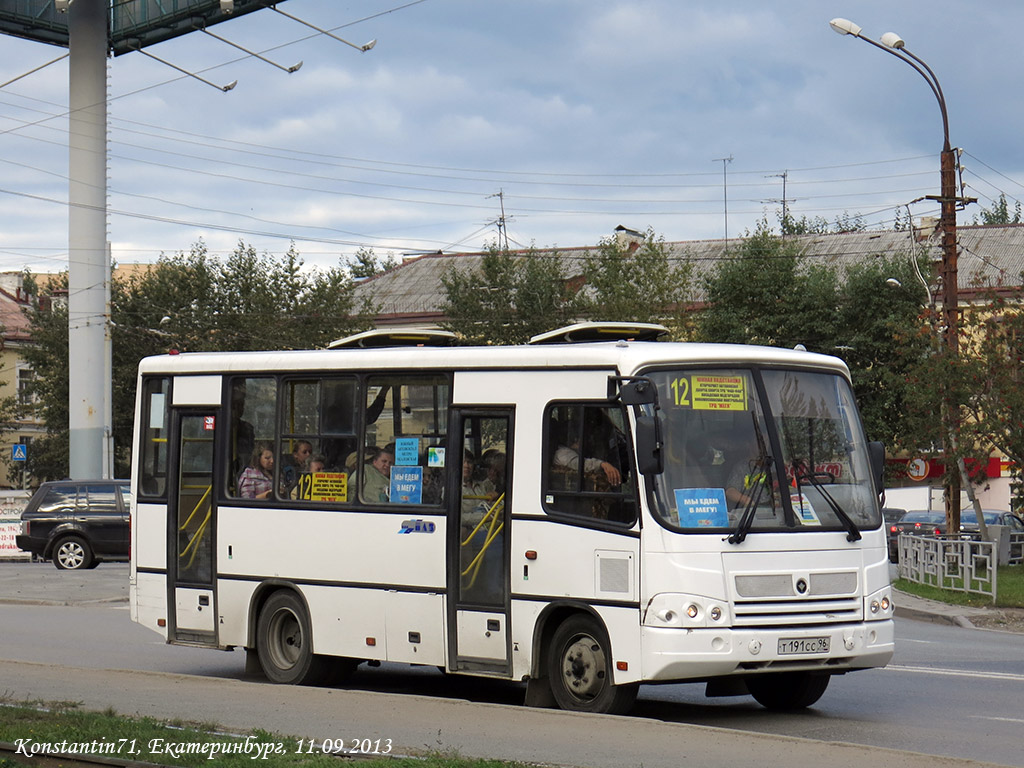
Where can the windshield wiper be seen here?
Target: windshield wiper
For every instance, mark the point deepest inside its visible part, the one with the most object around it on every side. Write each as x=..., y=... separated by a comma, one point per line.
x=746, y=521
x=852, y=531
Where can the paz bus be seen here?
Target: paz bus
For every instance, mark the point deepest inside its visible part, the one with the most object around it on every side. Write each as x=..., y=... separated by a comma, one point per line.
x=584, y=513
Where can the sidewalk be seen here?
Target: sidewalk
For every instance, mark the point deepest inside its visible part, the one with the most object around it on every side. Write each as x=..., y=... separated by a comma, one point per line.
x=921, y=609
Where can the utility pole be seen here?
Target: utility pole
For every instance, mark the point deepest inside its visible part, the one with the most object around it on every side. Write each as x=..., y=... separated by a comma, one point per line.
x=785, y=201
x=725, y=195
x=502, y=227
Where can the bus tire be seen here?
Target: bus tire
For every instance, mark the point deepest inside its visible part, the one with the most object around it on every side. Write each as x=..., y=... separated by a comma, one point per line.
x=284, y=641
x=787, y=690
x=579, y=669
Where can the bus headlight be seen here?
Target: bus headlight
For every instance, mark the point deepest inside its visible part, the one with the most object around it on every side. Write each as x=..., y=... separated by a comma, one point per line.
x=879, y=605
x=680, y=610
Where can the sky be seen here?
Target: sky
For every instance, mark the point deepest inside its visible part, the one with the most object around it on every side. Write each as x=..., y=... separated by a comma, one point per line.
x=693, y=120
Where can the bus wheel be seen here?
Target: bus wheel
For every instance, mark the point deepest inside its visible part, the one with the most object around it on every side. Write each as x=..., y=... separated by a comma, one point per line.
x=579, y=669
x=72, y=553
x=787, y=690
x=284, y=641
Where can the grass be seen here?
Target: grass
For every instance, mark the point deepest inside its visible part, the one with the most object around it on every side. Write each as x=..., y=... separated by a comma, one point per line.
x=1009, y=590
x=167, y=744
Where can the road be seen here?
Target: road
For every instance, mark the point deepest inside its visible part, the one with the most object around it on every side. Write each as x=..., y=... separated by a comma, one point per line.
x=950, y=691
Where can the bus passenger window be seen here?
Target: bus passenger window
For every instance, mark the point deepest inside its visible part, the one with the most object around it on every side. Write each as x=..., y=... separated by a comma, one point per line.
x=252, y=404
x=589, y=473
x=317, y=434
x=404, y=453
x=155, y=427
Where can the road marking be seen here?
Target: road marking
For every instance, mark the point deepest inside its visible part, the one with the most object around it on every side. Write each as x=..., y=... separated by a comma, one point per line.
x=957, y=672
x=908, y=640
x=1000, y=719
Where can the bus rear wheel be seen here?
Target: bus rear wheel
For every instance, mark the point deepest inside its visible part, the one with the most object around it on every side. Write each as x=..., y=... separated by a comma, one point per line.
x=787, y=690
x=284, y=642
x=579, y=669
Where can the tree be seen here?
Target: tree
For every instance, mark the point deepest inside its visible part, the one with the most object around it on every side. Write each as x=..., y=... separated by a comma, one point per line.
x=999, y=213
x=982, y=386
x=509, y=298
x=635, y=283
x=367, y=264
x=767, y=294
x=190, y=302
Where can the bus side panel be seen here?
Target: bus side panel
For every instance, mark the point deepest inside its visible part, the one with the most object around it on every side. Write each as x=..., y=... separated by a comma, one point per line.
x=595, y=567
x=148, y=590
x=149, y=601
x=400, y=607
x=149, y=536
x=345, y=548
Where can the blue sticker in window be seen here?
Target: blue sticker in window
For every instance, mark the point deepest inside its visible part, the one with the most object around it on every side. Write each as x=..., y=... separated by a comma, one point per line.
x=407, y=451
x=406, y=485
x=701, y=508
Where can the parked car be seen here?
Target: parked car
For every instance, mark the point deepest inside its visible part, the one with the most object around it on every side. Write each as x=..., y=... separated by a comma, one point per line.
x=969, y=520
x=918, y=522
x=77, y=523
x=891, y=516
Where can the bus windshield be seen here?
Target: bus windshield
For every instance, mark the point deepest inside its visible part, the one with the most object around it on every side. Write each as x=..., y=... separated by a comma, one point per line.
x=761, y=450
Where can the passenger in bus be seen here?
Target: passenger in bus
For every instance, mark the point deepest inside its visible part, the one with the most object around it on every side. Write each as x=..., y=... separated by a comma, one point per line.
x=568, y=457
x=476, y=492
x=257, y=480
x=295, y=465
x=377, y=476
x=745, y=476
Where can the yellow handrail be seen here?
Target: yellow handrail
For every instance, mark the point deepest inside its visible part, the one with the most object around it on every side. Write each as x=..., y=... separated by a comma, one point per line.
x=494, y=528
x=193, y=542
x=198, y=505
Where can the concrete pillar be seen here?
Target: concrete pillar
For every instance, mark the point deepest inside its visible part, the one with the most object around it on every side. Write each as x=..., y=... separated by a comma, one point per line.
x=89, y=262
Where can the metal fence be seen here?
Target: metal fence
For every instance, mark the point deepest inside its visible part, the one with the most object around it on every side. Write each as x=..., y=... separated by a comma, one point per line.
x=961, y=564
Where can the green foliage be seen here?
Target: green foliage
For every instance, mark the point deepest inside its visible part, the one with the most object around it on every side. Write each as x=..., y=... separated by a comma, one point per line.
x=634, y=283
x=768, y=294
x=765, y=294
x=819, y=225
x=190, y=302
x=999, y=213
x=982, y=384
x=509, y=298
x=367, y=264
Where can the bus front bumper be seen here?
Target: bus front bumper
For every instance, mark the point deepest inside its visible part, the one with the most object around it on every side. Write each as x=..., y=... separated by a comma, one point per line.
x=688, y=654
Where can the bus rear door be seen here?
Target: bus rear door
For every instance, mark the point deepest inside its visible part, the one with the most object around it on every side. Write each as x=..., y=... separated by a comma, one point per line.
x=193, y=521
x=478, y=584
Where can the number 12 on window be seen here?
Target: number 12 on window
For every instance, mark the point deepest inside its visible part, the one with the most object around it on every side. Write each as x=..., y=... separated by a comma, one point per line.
x=681, y=392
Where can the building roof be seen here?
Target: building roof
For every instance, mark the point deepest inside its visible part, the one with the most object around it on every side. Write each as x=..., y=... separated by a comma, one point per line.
x=13, y=320
x=991, y=256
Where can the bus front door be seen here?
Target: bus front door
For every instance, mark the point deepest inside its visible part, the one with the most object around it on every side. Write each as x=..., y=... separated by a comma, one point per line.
x=193, y=521
x=478, y=582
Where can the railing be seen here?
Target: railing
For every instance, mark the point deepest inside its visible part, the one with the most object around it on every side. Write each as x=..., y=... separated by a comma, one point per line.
x=961, y=564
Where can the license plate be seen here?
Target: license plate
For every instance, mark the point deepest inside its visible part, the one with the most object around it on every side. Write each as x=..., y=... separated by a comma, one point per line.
x=790, y=645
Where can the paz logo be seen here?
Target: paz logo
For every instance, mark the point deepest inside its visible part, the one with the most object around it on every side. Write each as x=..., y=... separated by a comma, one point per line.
x=417, y=526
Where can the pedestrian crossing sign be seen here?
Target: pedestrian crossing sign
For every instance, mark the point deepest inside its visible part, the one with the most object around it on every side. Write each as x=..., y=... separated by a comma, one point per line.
x=19, y=452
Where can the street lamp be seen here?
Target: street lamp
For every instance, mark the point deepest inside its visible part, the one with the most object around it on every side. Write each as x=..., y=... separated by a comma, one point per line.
x=893, y=44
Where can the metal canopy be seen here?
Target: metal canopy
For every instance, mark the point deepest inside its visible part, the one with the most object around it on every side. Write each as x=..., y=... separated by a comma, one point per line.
x=132, y=24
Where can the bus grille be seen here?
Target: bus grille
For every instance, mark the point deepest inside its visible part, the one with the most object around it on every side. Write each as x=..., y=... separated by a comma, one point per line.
x=774, y=600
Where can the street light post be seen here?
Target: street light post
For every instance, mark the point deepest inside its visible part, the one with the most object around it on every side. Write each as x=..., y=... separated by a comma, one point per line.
x=893, y=44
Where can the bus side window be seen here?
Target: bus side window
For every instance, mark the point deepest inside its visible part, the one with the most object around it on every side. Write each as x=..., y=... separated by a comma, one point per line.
x=403, y=457
x=155, y=428
x=588, y=469
x=252, y=404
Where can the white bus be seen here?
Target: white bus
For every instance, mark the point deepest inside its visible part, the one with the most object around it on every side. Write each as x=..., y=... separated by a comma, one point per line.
x=586, y=513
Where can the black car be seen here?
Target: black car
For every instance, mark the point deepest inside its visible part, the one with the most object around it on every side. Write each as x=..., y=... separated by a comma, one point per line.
x=891, y=516
x=77, y=523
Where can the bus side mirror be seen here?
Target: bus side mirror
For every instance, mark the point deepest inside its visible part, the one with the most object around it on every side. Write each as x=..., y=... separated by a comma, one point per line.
x=876, y=454
x=648, y=445
x=634, y=391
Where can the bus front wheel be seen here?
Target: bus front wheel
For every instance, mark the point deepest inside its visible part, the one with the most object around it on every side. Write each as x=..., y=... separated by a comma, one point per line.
x=579, y=669
x=284, y=641
x=787, y=690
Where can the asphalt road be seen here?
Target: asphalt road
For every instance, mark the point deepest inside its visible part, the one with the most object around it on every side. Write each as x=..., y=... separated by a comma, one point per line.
x=951, y=692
